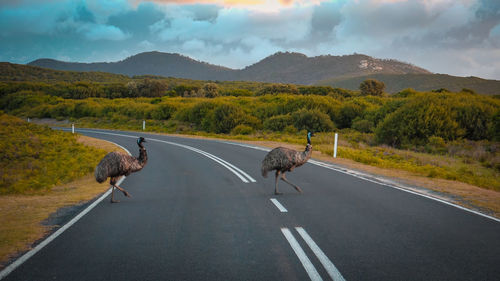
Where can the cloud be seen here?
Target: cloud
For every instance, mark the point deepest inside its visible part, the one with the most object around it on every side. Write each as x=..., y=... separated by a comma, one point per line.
x=447, y=36
x=95, y=32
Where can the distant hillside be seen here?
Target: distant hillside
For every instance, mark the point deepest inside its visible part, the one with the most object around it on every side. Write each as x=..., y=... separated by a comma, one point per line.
x=150, y=63
x=297, y=68
x=281, y=67
x=19, y=72
x=339, y=71
x=420, y=82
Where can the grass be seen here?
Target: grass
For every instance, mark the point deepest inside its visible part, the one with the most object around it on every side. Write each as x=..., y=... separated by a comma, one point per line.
x=22, y=215
x=460, y=164
x=34, y=158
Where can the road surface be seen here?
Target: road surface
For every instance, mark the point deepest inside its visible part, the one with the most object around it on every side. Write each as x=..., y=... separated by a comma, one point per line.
x=200, y=210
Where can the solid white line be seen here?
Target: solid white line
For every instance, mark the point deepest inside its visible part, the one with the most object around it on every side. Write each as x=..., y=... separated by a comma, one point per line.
x=308, y=266
x=278, y=205
x=325, y=261
x=54, y=235
x=235, y=170
x=379, y=181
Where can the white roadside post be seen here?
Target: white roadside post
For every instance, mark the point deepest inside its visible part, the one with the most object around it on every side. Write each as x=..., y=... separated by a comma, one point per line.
x=143, y=125
x=28, y=119
x=73, y=128
x=335, y=146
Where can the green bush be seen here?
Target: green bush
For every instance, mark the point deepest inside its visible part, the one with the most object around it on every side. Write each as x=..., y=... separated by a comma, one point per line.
x=225, y=117
x=418, y=120
x=163, y=112
x=372, y=87
x=242, y=130
x=362, y=125
x=312, y=120
x=278, y=123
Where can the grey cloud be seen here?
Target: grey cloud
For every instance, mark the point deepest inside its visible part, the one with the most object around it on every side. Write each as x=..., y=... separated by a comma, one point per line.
x=137, y=21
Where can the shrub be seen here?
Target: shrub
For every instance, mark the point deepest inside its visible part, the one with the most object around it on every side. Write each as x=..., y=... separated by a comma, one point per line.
x=312, y=120
x=372, y=87
x=416, y=121
x=361, y=125
x=242, y=130
x=211, y=90
x=275, y=89
x=278, y=123
x=163, y=112
x=225, y=117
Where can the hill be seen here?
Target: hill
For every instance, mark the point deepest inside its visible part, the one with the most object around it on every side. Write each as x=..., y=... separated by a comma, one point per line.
x=338, y=71
x=19, y=72
x=297, y=68
x=149, y=63
x=281, y=67
x=420, y=82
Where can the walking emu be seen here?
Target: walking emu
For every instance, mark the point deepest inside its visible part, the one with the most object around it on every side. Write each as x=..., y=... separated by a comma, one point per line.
x=115, y=165
x=284, y=160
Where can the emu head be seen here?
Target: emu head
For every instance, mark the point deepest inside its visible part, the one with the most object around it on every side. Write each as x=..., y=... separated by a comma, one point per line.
x=309, y=135
x=140, y=141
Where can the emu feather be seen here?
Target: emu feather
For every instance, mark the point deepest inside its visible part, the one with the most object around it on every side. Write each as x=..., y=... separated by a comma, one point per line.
x=116, y=164
x=282, y=160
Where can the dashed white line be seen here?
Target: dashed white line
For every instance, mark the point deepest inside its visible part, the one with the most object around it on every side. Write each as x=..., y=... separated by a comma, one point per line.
x=325, y=261
x=308, y=266
x=279, y=205
x=376, y=180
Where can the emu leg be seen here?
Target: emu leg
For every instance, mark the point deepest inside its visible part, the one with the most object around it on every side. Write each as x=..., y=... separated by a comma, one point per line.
x=113, y=195
x=283, y=178
x=276, y=184
x=123, y=190
x=112, y=181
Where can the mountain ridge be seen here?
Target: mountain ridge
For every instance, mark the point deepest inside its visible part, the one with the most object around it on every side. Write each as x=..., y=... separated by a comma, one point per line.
x=285, y=67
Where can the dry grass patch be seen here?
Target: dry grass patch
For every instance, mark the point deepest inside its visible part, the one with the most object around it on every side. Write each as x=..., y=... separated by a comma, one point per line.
x=22, y=216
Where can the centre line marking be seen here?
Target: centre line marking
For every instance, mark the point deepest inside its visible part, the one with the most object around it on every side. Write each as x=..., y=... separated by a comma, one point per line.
x=308, y=266
x=235, y=170
x=325, y=261
x=278, y=205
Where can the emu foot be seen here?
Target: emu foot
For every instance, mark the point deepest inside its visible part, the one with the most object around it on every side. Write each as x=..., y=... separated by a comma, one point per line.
x=114, y=201
x=126, y=194
x=278, y=193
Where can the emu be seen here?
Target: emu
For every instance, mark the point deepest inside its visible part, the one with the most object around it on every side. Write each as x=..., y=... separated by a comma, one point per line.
x=116, y=164
x=284, y=160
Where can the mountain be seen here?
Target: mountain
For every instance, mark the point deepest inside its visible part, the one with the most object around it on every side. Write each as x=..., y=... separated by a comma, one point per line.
x=280, y=67
x=285, y=67
x=297, y=68
x=150, y=63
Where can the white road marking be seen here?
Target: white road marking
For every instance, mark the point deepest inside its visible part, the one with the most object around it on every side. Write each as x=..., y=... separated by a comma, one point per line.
x=308, y=266
x=244, y=177
x=278, y=205
x=325, y=261
x=54, y=235
x=378, y=180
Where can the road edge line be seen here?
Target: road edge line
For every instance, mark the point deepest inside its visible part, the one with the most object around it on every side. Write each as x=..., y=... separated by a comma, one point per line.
x=18, y=262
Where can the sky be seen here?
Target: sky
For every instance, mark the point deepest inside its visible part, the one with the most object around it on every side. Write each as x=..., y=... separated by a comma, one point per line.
x=456, y=37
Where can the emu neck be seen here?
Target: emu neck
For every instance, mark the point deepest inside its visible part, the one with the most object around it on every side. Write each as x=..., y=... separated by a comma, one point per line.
x=307, y=152
x=143, y=156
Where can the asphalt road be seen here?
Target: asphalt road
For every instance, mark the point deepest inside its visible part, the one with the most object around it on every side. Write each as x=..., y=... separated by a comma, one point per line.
x=193, y=216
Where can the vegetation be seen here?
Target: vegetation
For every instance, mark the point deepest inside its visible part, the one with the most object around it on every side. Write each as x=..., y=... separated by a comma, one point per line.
x=463, y=126
x=372, y=87
x=34, y=158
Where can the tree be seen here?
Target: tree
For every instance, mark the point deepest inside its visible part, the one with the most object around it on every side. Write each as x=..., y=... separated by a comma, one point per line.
x=211, y=90
x=372, y=87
